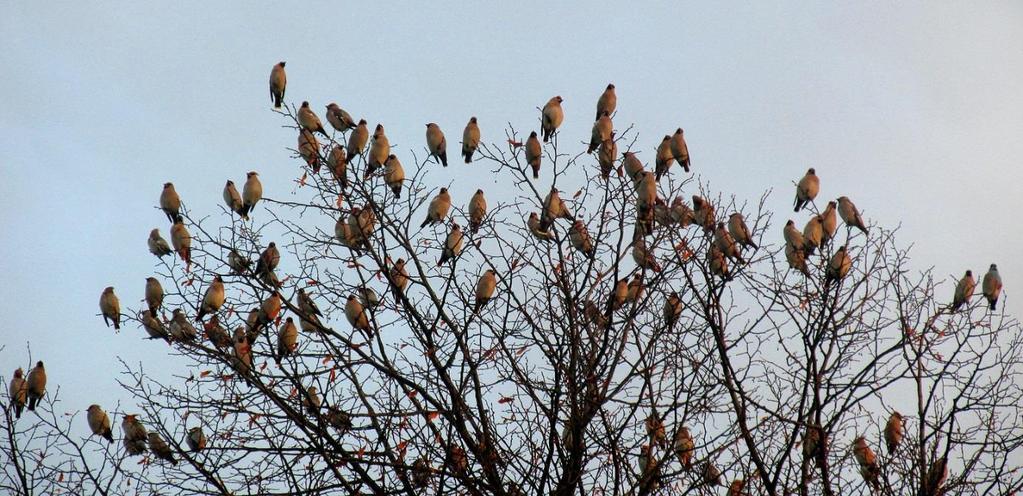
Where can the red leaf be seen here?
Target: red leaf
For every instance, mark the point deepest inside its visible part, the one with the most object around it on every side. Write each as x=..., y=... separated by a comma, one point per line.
x=431, y=416
x=205, y=373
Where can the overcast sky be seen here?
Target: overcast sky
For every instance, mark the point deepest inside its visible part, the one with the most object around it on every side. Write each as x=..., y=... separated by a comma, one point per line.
x=913, y=110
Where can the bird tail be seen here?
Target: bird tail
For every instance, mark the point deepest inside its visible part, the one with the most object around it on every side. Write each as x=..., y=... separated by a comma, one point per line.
x=444, y=158
x=536, y=171
x=397, y=191
x=31, y=403
x=109, y=436
x=425, y=223
x=685, y=166
x=994, y=304
x=468, y=156
x=18, y=409
x=117, y=322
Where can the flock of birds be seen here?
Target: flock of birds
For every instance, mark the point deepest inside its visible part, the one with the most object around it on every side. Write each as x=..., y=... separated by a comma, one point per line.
x=354, y=231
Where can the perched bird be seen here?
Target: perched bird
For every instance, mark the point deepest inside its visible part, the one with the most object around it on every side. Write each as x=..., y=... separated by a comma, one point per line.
x=252, y=192
x=306, y=304
x=485, y=289
x=170, y=202
x=839, y=265
x=717, y=261
x=679, y=149
x=18, y=391
x=964, y=291
x=269, y=309
x=552, y=115
x=181, y=240
x=739, y=231
x=796, y=258
x=438, y=209
x=815, y=444
x=237, y=263
x=357, y=140
x=893, y=432
x=635, y=289
x=436, y=143
x=829, y=219
x=196, y=439
x=470, y=139
x=992, y=286
x=452, y=245
x=309, y=120
x=477, y=211
x=662, y=213
x=399, y=277
x=134, y=435
x=356, y=315
x=36, y=385
x=580, y=238
x=99, y=422
x=422, y=472
x=232, y=198
x=180, y=328
x=867, y=461
x=703, y=213
x=338, y=118
x=643, y=256
x=601, y=132
x=287, y=339
x=813, y=234
x=608, y=101
x=726, y=243
x=394, y=174
x=593, y=314
x=456, y=461
x=554, y=208
x=213, y=299
x=649, y=470
x=850, y=214
x=379, y=151
x=807, y=189
x=343, y=233
x=681, y=214
x=711, y=475
x=633, y=167
x=154, y=326
x=154, y=295
x=793, y=237
x=242, y=359
x=369, y=298
x=533, y=154
x=664, y=157
x=160, y=448
x=337, y=162
x=362, y=222
x=655, y=429
x=684, y=447
x=216, y=333
x=672, y=309
x=533, y=223
x=309, y=149
x=338, y=419
x=278, y=83
x=646, y=191
x=619, y=294
x=268, y=260
x=157, y=245
x=110, y=307
x=735, y=489
x=311, y=401
x=934, y=482
x=606, y=155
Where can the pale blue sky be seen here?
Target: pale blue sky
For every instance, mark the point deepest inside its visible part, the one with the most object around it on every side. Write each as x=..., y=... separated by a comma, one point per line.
x=914, y=110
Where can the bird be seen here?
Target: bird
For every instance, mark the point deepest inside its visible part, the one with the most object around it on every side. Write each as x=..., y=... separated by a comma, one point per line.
x=606, y=155
x=807, y=189
x=18, y=391
x=181, y=240
x=269, y=309
x=306, y=304
x=399, y=277
x=180, y=328
x=740, y=231
x=338, y=118
x=436, y=143
x=379, y=151
x=357, y=140
x=368, y=297
x=893, y=432
x=655, y=429
x=649, y=472
x=154, y=326
x=237, y=263
x=110, y=307
x=170, y=202
x=580, y=239
x=711, y=474
x=839, y=265
x=664, y=157
x=829, y=219
x=992, y=286
x=362, y=222
x=232, y=198
x=593, y=314
x=735, y=489
x=99, y=422
x=160, y=448
x=662, y=213
x=154, y=295
x=607, y=102
x=309, y=120
x=337, y=162
x=726, y=243
x=216, y=333
x=646, y=191
x=717, y=261
x=601, y=132
x=485, y=289
x=213, y=299
x=252, y=192
x=634, y=291
x=477, y=211
x=643, y=256
x=196, y=439
x=867, y=461
x=438, y=209
x=422, y=472
x=815, y=444
x=681, y=214
x=470, y=139
x=394, y=174
x=311, y=401
x=551, y=117
x=268, y=260
x=934, y=482
x=796, y=258
x=456, y=461
x=533, y=223
x=452, y=245
x=157, y=245
x=242, y=359
x=703, y=213
x=134, y=435
x=309, y=149
x=278, y=83
x=533, y=154
x=36, y=385
x=679, y=149
x=684, y=447
x=672, y=309
x=850, y=214
x=619, y=294
x=633, y=167
x=554, y=208
x=793, y=237
x=964, y=291
x=813, y=234
x=356, y=315
x=287, y=339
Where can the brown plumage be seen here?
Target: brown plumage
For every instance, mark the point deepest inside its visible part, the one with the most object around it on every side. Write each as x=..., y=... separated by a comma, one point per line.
x=278, y=83
x=110, y=307
x=551, y=117
x=807, y=189
x=170, y=202
x=679, y=149
x=470, y=139
x=893, y=432
x=99, y=422
x=182, y=241
x=533, y=154
x=36, y=385
x=477, y=211
x=608, y=101
x=18, y=392
x=309, y=120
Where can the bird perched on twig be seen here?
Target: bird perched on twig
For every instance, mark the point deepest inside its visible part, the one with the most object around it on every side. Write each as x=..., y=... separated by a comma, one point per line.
x=309, y=120
x=99, y=422
x=436, y=143
x=551, y=117
x=807, y=189
x=470, y=139
x=438, y=209
x=110, y=307
x=992, y=286
x=278, y=83
x=338, y=118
